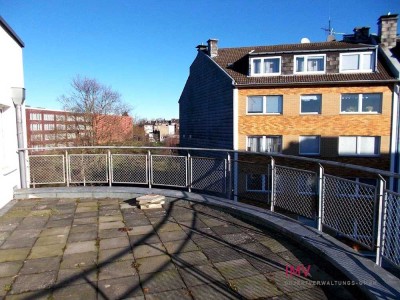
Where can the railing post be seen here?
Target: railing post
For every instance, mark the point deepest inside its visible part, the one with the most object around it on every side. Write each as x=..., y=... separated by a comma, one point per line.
x=380, y=233
x=235, y=176
x=321, y=189
x=67, y=167
x=189, y=172
x=273, y=170
x=228, y=176
x=110, y=167
x=150, y=168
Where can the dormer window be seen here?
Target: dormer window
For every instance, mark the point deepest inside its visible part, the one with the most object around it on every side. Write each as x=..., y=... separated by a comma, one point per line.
x=264, y=66
x=357, y=62
x=309, y=64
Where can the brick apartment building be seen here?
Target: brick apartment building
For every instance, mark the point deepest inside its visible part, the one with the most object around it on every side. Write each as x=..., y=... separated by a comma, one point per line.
x=56, y=128
x=335, y=100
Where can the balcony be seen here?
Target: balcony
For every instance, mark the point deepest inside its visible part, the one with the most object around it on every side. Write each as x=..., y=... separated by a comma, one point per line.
x=235, y=224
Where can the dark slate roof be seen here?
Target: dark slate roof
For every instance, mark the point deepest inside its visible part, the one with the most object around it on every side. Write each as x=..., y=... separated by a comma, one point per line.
x=235, y=62
x=11, y=32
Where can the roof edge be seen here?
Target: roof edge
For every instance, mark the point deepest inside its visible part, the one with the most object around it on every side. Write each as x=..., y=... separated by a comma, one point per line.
x=219, y=67
x=11, y=32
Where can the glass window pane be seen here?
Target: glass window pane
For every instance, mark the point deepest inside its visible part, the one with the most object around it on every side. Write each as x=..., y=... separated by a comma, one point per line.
x=315, y=63
x=299, y=64
x=256, y=66
x=254, y=182
x=273, y=144
x=350, y=62
x=372, y=103
x=271, y=65
x=367, y=61
x=368, y=145
x=348, y=145
x=349, y=103
x=274, y=104
x=254, y=144
x=255, y=105
x=311, y=104
x=309, y=145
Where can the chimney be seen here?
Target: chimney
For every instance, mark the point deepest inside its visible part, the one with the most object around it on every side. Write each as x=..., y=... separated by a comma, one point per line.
x=212, y=47
x=387, y=30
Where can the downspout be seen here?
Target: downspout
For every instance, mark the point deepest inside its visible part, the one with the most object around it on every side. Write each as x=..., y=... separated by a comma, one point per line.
x=394, y=138
x=235, y=141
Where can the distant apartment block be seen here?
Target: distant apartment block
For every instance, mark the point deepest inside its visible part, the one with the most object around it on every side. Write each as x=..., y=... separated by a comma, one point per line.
x=334, y=100
x=56, y=128
x=158, y=131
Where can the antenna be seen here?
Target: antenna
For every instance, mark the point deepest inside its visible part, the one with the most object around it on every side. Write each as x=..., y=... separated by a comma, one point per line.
x=330, y=31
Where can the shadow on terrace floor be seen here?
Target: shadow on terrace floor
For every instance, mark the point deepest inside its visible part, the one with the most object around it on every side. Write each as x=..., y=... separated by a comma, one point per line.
x=109, y=249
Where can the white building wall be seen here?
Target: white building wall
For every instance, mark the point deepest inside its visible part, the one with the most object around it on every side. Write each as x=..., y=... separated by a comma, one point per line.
x=11, y=75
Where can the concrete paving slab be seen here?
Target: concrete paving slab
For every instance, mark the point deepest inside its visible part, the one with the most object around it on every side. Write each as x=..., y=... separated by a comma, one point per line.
x=199, y=275
x=154, y=264
x=170, y=236
x=220, y=254
x=37, y=295
x=255, y=287
x=117, y=242
x=33, y=282
x=214, y=291
x=79, y=292
x=109, y=225
x=236, y=269
x=69, y=277
x=55, y=231
x=115, y=254
x=18, y=243
x=140, y=251
x=81, y=247
x=79, y=260
x=14, y=254
x=119, y=288
x=83, y=228
x=51, y=240
x=169, y=295
x=86, y=220
x=113, y=218
x=153, y=283
x=41, y=265
x=46, y=251
x=89, y=235
x=143, y=239
x=111, y=233
x=10, y=268
x=117, y=269
x=187, y=259
x=181, y=246
x=146, y=229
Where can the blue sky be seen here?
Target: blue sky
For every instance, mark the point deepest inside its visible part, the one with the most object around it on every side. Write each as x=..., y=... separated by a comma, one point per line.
x=144, y=49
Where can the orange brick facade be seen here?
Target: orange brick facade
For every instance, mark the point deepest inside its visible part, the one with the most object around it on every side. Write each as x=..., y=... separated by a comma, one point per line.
x=329, y=125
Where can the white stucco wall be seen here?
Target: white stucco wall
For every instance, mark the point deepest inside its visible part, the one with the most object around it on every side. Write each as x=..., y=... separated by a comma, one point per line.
x=11, y=75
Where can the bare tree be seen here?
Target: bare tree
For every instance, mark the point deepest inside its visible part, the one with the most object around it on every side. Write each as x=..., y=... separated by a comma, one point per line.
x=96, y=113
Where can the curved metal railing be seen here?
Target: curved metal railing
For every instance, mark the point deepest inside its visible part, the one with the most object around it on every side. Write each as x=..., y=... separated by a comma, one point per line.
x=362, y=210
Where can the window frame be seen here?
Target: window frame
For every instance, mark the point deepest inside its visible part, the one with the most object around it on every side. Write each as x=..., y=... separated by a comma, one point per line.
x=306, y=57
x=264, y=105
x=361, y=60
x=310, y=153
x=360, y=104
x=263, y=73
x=311, y=113
x=358, y=139
x=263, y=143
x=264, y=183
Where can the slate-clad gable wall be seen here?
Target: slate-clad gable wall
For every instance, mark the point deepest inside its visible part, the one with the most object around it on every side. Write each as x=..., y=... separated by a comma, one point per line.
x=206, y=107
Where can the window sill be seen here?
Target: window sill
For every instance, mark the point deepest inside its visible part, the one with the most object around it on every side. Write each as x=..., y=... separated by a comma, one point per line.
x=360, y=155
x=309, y=113
x=360, y=113
x=263, y=114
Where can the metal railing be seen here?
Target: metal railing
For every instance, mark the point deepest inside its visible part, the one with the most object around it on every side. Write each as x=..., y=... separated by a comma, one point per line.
x=367, y=214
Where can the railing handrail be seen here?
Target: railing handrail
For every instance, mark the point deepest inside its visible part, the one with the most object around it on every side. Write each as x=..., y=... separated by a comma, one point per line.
x=294, y=157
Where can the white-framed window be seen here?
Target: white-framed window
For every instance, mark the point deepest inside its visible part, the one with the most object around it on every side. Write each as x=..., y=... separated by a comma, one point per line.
x=49, y=126
x=36, y=116
x=36, y=127
x=310, y=104
x=361, y=103
x=71, y=118
x=60, y=118
x=36, y=137
x=271, y=104
x=257, y=183
x=309, y=64
x=309, y=145
x=71, y=135
x=262, y=66
x=48, y=117
x=80, y=127
x=357, y=62
x=49, y=137
x=60, y=126
x=61, y=136
x=359, y=145
x=266, y=143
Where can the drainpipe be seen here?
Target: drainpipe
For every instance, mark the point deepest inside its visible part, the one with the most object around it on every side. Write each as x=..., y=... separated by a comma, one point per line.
x=18, y=98
x=394, y=139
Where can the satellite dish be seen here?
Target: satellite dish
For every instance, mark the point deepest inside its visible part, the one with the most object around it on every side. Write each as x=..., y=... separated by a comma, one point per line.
x=305, y=40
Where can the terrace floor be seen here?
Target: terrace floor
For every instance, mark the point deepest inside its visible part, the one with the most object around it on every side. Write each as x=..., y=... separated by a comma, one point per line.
x=109, y=249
